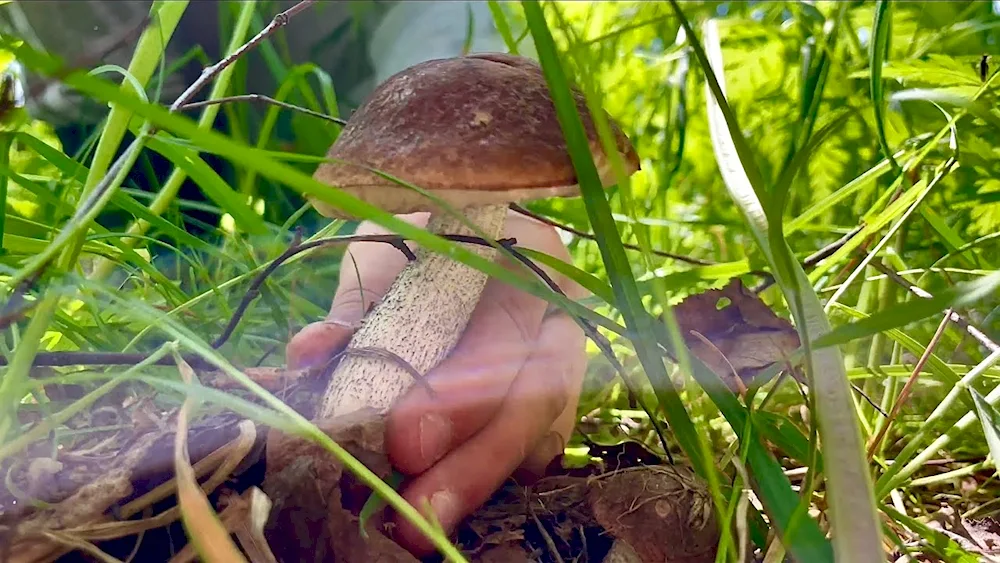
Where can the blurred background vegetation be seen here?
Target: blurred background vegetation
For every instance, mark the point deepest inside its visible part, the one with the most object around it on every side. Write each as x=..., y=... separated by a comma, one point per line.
x=792, y=69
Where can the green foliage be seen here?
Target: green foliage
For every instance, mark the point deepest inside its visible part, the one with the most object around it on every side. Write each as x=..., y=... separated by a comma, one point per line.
x=837, y=115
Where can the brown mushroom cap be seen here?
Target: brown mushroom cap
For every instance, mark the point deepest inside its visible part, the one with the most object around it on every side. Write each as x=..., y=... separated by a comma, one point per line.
x=473, y=130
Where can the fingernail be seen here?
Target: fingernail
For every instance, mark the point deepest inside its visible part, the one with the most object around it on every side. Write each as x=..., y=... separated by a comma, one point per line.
x=435, y=432
x=316, y=344
x=445, y=505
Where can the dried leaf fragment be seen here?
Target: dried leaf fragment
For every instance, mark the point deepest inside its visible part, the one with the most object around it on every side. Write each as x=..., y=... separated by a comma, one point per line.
x=734, y=333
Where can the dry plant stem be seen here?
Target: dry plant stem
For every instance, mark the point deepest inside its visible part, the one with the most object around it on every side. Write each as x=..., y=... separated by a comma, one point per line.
x=973, y=331
x=420, y=320
x=904, y=394
x=266, y=100
x=588, y=236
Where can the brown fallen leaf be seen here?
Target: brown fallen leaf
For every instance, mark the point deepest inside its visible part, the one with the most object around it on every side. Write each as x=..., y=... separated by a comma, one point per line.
x=980, y=536
x=734, y=333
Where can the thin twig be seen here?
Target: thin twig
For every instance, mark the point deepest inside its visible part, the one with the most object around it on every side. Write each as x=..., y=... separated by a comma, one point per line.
x=815, y=257
x=583, y=234
x=553, y=550
x=904, y=394
x=829, y=249
x=254, y=289
x=973, y=331
x=264, y=99
x=868, y=399
x=279, y=21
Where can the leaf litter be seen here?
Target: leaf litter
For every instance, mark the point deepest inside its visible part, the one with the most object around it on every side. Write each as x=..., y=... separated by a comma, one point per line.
x=114, y=489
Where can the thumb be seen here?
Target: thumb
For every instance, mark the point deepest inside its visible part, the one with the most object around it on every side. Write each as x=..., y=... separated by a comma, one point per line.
x=320, y=341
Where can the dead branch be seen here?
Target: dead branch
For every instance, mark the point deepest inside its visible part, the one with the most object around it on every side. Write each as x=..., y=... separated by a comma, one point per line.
x=207, y=75
x=264, y=99
x=588, y=236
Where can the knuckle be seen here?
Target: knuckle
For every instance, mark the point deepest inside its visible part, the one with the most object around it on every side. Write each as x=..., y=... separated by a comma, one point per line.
x=515, y=310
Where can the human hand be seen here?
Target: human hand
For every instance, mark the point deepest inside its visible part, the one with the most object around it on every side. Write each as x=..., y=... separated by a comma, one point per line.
x=505, y=398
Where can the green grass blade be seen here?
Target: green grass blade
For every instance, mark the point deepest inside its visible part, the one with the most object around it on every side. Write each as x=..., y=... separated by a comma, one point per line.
x=827, y=203
x=877, y=53
x=627, y=298
x=972, y=105
x=907, y=461
x=148, y=51
x=989, y=417
x=212, y=184
x=150, y=217
x=937, y=541
x=852, y=513
x=503, y=26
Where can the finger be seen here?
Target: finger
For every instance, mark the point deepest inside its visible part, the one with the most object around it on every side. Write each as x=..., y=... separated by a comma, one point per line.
x=316, y=343
x=462, y=481
x=366, y=272
x=575, y=342
x=319, y=341
x=470, y=384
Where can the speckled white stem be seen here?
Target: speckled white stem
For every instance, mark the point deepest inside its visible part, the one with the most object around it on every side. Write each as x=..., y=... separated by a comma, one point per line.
x=420, y=320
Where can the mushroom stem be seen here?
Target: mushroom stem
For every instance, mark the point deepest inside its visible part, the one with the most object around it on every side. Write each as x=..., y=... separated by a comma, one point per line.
x=420, y=320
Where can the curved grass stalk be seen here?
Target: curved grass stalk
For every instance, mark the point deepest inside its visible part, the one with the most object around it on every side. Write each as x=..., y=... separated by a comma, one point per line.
x=172, y=186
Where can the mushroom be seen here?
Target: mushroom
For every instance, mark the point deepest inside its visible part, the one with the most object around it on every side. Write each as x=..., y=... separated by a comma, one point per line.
x=479, y=132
